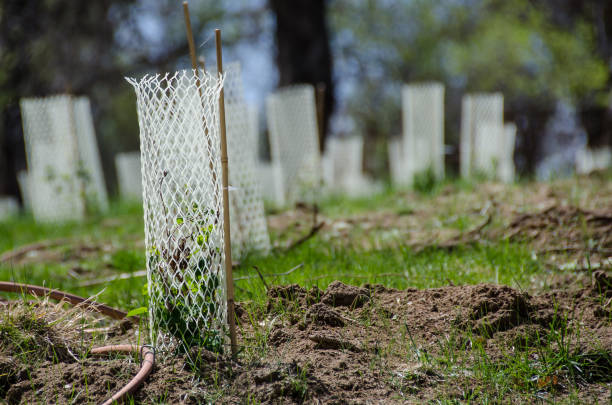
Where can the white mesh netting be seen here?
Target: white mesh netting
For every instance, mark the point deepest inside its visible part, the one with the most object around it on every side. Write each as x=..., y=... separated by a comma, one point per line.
x=23, y=179
x=65, y=172
x=479, y=110
x=342, y=165
x=487, y=148
x=91, y=166
x=397, y=162
x=128, y=175
x=423, y=129
x=183, y=211
x=9, y=207
x=271, y=175
x=247, y=219
x=56, y=182
x=294, y=141
x=591, y=159
x=506, y=170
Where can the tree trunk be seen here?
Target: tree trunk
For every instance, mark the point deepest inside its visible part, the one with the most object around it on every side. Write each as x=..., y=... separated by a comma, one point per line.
x=303, y=51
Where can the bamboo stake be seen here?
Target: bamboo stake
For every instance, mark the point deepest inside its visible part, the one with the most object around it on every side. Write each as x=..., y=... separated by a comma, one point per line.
x=192, y=53
x=226, y=230
x=320, y=104
x=194, y=65
x=229, y=278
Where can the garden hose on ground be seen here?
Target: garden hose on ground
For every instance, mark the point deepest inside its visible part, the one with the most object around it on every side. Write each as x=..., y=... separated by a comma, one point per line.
x=147, y=354
x=147, y=361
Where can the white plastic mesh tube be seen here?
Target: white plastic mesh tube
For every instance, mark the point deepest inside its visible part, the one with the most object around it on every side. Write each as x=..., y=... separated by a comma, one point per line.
x=423, y=129
x=478, y=110
x=183, y=211
x=91, y=166
x=63, y=158
x=506, y=170
x=294, y=141
x=488, y=147
x=128, y=175
x=342, y=166
x=396, y=162
x=56, y=183
x=23, y=179
x=271, y=175
x=591, y=159
x=247, y=219
x=9, y=208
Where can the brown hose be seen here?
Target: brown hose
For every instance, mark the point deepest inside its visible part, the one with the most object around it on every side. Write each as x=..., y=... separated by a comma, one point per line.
x=148, y=359
x=148, y=355
x=38, y=291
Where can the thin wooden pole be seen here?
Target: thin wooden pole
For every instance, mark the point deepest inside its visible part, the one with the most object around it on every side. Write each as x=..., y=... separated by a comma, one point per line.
x=229, y=277
x=194, y=65
x=320, y=104
x=192, y=53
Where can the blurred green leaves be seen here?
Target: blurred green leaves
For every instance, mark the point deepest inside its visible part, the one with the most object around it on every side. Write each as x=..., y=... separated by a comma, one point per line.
x=471, y=45
x=516, y=49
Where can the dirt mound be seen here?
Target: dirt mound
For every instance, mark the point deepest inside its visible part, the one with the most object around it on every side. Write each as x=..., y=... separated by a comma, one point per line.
x=368, y=344
x=563, y=228
x=356, y=353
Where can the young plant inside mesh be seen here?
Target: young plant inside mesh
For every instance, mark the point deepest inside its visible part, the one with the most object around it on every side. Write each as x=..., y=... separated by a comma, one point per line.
x=184, y=280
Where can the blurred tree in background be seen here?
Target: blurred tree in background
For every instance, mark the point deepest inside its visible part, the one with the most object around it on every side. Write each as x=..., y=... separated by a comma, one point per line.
x=533, y=51
x=536, y=52
x=303, y=48
x=87, y=48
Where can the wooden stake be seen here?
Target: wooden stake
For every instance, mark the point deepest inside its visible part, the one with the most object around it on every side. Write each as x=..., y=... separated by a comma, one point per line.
x=229, y=277
x=320, y=104
x=192, y=53
x=194, y=65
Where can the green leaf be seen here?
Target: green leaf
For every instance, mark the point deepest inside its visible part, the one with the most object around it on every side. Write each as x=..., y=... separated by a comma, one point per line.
x=179, y=220
x=137, y=311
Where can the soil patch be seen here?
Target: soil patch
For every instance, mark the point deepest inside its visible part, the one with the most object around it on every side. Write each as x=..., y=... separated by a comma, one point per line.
x=565, y=231
x=366, y=344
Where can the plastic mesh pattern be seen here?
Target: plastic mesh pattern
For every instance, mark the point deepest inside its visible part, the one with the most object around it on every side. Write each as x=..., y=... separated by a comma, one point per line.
x=8, y=208
x=128, y=175
x=63, y=158
x=590, y=159
x=247, y=219
x=489, y=148
x=396, y=162
x=506, y=169
x=23, y=179
x=271, y=175
x=479, y=110
x=342, y=166
x=423, y=129
x=294, y=141
x=183, y=210
x=91, y=166
x=56, y=183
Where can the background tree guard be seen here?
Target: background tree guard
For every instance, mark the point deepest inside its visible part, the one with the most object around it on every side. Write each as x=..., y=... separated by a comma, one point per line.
x=294, y=141
x=64, y=170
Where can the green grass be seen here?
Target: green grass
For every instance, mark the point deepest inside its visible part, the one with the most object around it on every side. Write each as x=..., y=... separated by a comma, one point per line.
x=122, y=220
x=520, y=373
x=322, y=263
x=119, y=228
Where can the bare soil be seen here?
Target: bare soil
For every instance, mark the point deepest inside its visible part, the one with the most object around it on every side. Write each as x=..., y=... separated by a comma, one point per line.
x=348, y=344
x=372, y=344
